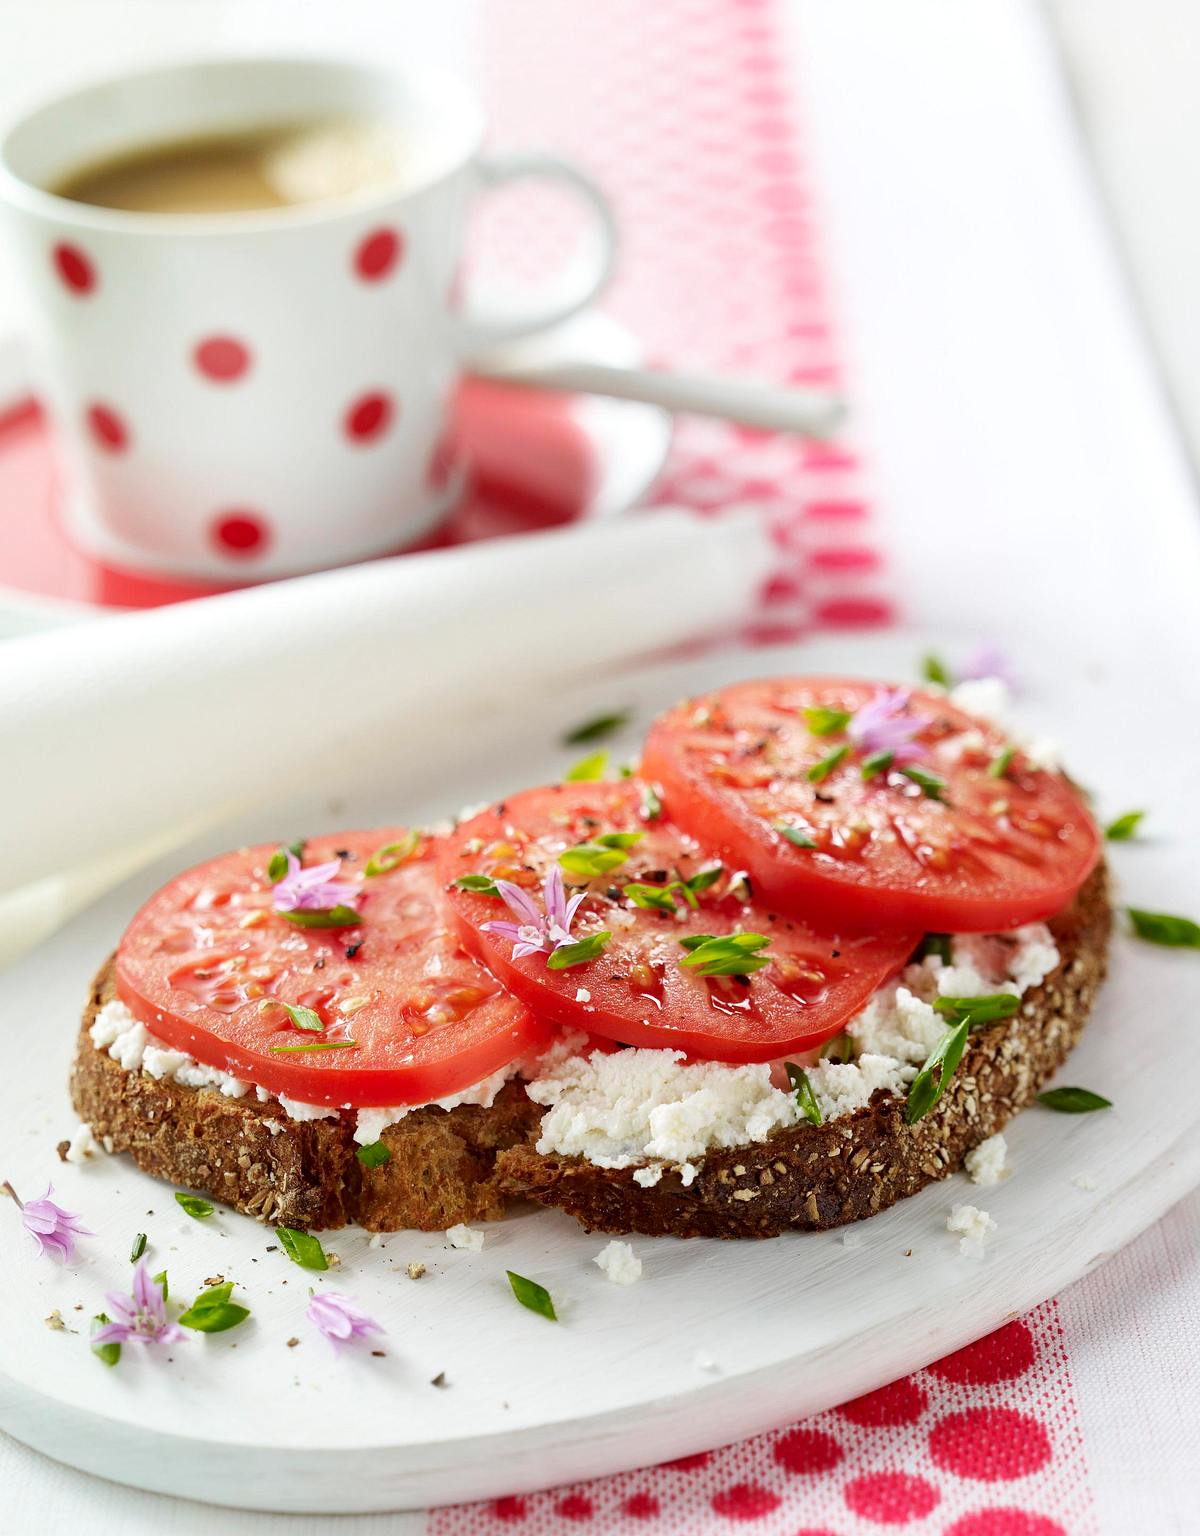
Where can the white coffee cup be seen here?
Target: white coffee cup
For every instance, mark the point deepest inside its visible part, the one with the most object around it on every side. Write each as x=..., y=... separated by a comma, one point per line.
x=243, y=395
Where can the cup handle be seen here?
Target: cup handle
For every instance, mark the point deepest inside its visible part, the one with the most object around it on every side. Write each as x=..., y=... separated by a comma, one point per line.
x=579, y=282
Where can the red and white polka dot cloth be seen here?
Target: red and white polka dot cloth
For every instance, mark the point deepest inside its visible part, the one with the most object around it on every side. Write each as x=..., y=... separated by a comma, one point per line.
x=983, y=1443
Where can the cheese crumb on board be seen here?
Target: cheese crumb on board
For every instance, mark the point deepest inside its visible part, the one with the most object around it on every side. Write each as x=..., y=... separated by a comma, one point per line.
x=972, y=1227
x=82, y=1145
x=462, y=1236
x=619, y=1262
x=988, y=1162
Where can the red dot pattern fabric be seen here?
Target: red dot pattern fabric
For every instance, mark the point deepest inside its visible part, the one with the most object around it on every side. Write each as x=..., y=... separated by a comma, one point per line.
x=686, y=113
x=990, y=1450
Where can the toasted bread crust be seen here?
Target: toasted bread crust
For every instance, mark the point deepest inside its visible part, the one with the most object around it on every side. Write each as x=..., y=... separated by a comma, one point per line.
x=815, y=1177
x=297, y=1173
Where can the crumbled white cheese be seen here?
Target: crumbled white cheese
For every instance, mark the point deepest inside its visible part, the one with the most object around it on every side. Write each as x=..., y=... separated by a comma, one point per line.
x=990, y=699
x=843, y=1087
x=972, y=1226
x=987, y=1163
x=619, y=1263
x=649, y=1176
x=619, y=1108
x=82, y=1144
x=274, y=1126
x=372, y=1123
x=703, y=1361
x=462, y=1236
x=297, y=1109
x=582, y=995
x=375, y=1240
x=161, y=1061
x=687, y=1173
x=1083, y=1181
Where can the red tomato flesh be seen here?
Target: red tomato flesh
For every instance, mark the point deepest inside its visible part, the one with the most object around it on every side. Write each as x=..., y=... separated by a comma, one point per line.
x=207, y=962
x=637, y=991
x=995, y=851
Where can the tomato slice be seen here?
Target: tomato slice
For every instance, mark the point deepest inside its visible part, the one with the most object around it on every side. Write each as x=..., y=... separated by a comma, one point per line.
x=1003, y=842
x=639, y=990
x=207, y=963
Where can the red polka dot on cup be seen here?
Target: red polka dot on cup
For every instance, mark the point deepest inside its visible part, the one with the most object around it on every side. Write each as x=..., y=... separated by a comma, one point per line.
x=1005, y=1522
x=75, y=269
x=240, y=534
x=222, y=359
x=369, y=417
x=378, y=254
x=107, y=428
x=805, y=1451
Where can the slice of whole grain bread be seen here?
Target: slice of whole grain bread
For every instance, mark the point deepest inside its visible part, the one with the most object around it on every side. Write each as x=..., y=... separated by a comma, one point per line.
x=298, y=1173
x=461, y=1165
x=814, y=1177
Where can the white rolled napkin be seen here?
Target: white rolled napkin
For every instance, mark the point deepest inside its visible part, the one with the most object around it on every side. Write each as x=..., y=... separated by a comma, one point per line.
x=118, y=733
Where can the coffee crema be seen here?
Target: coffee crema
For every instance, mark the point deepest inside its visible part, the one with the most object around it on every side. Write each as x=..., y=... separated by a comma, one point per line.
x=255, y=169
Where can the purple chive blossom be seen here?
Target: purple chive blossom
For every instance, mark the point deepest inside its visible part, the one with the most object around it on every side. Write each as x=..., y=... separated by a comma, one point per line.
x=882, y=725
x=988, y=661
x=537, y=932
x=314, y=889
x=140, y=1319
x=52, y=1229
x=340, y=1319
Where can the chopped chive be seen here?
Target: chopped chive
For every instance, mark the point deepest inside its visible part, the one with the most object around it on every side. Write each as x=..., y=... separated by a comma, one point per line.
x=482, y=885
x=877, y=762
x=109, y=1353
x=940, y=1065
x=1163, y=928
x=1073, y=1101
x=302, y=1248
x=213, y=1312
x=1001, y=763
x=302, y=1018
x=597, y=729
x=330, y=917
x=532, y=1295
x=935, y=670
x=139, y=1248
x=934, y=944
x=196, y=1208
x=374, y=1155
x=592, y=858
x=733, y=954
x=318, y=1045
x=587, y=769
x=794, y=835
x=277, y=866
x=567, y=955
x=652, y=898
x=392, y=855
x=805, y=1096
x=1124, y=827
x=929, y=782
x=822, y=769
x=651, y=806
x=823, y=721
x=978, y=1010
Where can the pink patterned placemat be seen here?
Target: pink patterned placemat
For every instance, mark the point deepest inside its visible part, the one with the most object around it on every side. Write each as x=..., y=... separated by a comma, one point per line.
x=685, y=111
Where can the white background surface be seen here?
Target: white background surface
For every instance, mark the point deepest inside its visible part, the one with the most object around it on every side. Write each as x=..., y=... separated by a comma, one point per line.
x=1029, y=471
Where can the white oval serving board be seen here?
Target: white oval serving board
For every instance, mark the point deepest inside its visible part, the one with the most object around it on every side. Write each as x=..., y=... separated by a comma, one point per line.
x=716, y=1341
